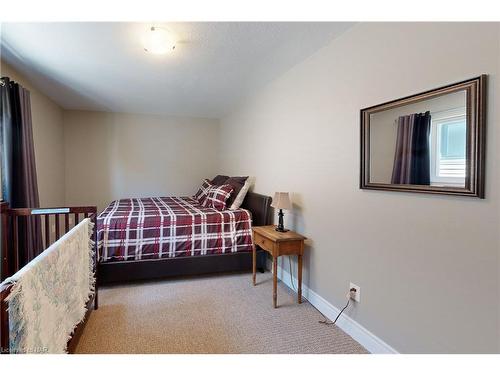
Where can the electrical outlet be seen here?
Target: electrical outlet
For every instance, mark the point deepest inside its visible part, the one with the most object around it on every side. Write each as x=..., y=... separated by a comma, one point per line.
x=356, y=295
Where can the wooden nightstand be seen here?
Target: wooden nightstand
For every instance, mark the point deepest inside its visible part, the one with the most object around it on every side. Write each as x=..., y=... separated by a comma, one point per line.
x=277, y=244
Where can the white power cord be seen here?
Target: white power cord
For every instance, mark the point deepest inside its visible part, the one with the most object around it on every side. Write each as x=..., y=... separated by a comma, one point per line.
x=291, y=274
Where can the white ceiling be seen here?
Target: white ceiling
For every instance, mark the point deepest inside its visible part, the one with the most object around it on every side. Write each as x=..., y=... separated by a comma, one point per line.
x=102, y=66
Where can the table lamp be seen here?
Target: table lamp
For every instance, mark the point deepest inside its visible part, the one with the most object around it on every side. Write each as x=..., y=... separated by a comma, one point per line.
x=282, y=202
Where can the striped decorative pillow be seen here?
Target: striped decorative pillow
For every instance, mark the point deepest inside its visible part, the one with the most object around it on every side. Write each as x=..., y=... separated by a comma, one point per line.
x=217, y=197
x=202, y=193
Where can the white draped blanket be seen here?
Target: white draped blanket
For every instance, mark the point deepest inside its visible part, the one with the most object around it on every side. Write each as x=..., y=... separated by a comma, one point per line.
x=50, y=294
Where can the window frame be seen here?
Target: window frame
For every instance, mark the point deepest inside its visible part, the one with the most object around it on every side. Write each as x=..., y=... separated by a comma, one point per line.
x=438, y=119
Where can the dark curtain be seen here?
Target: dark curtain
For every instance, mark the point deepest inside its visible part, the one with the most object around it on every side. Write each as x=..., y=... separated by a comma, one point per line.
x=19, y=181
x=412, y=155
x=6, y=146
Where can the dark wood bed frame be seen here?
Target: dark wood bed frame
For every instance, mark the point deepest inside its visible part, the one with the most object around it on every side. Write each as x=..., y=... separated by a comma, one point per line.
x=258, y=205
x=117, y=272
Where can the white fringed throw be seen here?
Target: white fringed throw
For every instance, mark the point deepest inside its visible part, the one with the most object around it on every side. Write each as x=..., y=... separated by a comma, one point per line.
x=50, y=294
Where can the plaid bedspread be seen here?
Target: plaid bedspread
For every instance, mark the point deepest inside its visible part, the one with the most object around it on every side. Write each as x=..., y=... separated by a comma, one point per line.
x=166, y=227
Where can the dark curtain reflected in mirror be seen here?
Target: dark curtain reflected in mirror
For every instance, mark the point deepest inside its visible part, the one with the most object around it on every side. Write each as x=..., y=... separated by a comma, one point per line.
x=412, y=156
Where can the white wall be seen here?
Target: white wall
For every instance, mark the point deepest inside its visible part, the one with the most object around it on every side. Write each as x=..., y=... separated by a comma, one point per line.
x=48, y=138
x=111, y=155
x=427, y=265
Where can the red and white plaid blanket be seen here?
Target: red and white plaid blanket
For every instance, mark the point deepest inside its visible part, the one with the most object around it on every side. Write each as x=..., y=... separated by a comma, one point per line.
x=167, y=227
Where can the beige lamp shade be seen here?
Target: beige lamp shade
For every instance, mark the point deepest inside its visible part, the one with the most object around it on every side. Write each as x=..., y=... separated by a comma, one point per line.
x=281, y=200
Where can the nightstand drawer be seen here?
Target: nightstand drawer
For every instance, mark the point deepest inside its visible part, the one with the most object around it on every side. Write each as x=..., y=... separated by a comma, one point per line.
x=263, y=242
x=291, y=247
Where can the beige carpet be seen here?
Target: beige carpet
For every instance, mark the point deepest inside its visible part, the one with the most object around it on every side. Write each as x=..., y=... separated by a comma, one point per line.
x=209, y=314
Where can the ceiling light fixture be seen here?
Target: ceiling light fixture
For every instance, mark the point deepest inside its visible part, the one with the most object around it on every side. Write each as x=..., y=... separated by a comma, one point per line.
x=159, y=41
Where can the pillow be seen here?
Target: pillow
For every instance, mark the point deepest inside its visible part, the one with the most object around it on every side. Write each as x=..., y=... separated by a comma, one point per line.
x=219, y=180
x=237, y=183
x=202, y=192
x=217, y=197
x=238, y=200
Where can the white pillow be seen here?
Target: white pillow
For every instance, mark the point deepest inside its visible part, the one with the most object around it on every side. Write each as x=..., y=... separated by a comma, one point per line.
x=242, y=193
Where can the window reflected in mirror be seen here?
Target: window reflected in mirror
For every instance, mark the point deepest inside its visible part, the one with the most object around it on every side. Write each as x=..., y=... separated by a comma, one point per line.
x=448, y=146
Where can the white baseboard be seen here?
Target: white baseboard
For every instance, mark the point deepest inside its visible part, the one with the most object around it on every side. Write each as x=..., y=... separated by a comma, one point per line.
x=359, y=333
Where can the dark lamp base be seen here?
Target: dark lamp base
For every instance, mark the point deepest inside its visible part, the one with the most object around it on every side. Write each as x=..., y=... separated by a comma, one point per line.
x=278, y=229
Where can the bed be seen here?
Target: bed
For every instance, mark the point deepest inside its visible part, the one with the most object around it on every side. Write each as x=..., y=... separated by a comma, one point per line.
x=145, y=238
x=226, y=251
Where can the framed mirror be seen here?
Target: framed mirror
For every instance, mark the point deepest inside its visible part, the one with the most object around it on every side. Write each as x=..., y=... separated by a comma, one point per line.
x=432, y=142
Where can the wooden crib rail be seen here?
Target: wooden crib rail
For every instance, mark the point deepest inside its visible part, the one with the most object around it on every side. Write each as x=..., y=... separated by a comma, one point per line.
x=54, y=222
x=51, y=222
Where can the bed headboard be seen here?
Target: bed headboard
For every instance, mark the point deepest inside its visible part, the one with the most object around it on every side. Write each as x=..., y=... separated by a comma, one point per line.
x=260, y=207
